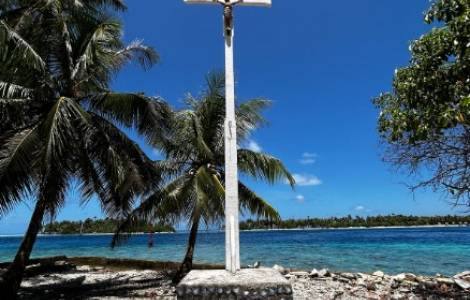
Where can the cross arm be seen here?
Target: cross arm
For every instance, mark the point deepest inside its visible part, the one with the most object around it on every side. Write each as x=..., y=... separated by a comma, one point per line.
x=266, y=3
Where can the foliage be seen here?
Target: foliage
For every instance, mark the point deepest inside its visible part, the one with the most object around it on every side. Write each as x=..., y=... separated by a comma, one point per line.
x=426, y=118
x=349, y=221
x=195, y=158
x=107, y=225
x=58, y=117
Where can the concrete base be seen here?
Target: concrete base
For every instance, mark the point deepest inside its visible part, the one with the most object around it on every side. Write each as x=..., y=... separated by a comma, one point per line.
x=250, y=284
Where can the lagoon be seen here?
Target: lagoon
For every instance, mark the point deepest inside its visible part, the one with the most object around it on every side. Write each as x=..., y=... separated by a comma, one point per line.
x=424, y=251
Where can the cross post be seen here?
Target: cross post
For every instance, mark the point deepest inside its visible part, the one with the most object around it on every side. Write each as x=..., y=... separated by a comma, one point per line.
x=232, y=235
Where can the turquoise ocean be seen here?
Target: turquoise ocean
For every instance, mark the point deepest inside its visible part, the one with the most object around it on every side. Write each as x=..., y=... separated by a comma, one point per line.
x=424, y=251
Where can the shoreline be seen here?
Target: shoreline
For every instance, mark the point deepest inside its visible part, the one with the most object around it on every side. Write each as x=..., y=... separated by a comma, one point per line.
x=62, y=277
x=254, y=230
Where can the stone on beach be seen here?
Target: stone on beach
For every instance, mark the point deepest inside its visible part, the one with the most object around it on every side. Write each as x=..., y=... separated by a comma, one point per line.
x=324, y=273
x=404, y=276
x=280, y=269
x=445, y=280
x=91, y=282
x=378, y=274
x=314, y=273
x=462, y=283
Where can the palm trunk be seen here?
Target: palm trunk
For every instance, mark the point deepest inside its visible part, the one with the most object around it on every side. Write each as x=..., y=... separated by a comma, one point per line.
x=187, y=263
x=10, y=283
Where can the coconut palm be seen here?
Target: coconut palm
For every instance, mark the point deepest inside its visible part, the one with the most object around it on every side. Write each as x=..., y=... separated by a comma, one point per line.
x=195, y=159
x=60, y=120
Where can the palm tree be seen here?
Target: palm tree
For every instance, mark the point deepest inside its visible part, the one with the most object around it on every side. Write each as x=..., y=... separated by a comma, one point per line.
x=195, y=160
x=58, y=118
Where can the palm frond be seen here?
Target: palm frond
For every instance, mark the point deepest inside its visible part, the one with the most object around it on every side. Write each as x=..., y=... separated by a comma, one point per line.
x=59, y=129
x=165, y=205
x=17, y=167
x=17, y=115
x=91, y=178
x=150, y=116
x=14, y=48
x=52, y=187
x=249, y=116
x=11, y=90
x=198, y=136
x=255, y=205
x=103, y=32
x=124, y=168
x=263, y=166
x=116, y=4
x=145, y=55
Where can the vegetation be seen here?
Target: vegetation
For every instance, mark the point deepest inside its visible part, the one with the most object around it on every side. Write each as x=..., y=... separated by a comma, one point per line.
x=58, y=118
x=107, y=225
x=349, y=221
x=195, y=159
x=425, y=120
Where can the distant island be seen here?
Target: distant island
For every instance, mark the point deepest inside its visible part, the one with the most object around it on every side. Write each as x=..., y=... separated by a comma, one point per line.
x=349, y=221
x=107, y=225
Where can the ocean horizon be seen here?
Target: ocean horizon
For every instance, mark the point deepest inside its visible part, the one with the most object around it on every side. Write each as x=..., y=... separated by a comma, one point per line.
x=421, y=250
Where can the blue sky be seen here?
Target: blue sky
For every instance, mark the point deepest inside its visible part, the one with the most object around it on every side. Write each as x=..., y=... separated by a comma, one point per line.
x=321, y=62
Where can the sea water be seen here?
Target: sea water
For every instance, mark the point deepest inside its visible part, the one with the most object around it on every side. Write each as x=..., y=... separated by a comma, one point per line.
x=424, y=251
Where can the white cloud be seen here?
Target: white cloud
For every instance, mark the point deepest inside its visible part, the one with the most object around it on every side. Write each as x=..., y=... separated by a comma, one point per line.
x=300, y=198
x=254, y=146
x=359, y=208
x=306, y=180
x=308, y=158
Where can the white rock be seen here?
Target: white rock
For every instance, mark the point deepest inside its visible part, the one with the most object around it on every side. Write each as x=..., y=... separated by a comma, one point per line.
x=280, y=269
x=463, y=274
x=463, y=284
x=363, y=276
x=378, y=274
x=448, y=281
x=314, y=273
x=324, y=273
x=84, y=268
x=361, y=282
x=404, y=276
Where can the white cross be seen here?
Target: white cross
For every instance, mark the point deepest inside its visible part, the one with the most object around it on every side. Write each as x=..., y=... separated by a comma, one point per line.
x=232, y=235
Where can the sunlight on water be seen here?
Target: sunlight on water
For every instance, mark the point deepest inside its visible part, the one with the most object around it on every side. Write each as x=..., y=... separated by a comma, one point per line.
x=417, y=250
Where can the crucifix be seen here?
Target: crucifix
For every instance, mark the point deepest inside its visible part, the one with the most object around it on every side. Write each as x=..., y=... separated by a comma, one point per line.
x=232, y=235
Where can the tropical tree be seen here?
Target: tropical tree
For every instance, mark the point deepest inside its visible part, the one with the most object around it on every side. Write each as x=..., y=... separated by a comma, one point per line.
x=425, y=120
x=60, y=120
x=195, y=163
